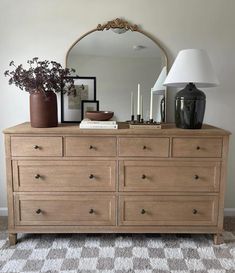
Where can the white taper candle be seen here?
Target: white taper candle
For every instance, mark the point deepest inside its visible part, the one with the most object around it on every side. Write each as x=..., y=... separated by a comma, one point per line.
x=151, y=105
x=138, y=100
x=141, y=107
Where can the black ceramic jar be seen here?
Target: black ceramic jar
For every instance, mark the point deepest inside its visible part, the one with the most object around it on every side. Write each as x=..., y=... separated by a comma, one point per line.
x=190, y=106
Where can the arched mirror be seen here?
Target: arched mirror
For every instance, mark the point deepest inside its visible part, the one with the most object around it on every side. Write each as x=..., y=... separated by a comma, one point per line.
x=120, y=56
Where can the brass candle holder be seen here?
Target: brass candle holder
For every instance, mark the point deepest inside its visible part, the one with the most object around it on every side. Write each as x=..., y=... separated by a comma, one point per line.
x=140, y=123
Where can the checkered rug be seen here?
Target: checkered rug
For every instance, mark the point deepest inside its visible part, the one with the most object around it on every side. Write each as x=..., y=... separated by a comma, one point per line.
x=117, y=254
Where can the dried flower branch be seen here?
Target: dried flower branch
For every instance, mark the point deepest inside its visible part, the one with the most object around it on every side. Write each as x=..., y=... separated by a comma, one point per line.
x=41, y=76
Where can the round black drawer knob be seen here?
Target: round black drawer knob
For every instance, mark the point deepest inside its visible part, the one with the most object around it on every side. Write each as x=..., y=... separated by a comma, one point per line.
x=196, y=177
x=194, y=211
x=143, y=176
x=37, y=176
x=91, y=211
x=144, y=147
x=143, y=211
x=198, y=147
x=36, y=147
x=91, y=176
x=38, y=211
x=91, y=147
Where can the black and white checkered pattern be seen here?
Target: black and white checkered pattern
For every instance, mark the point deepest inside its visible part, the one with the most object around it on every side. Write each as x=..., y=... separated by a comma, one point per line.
x=117, y=254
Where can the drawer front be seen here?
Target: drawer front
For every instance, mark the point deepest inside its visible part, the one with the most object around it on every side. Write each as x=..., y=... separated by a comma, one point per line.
x=65, y=210
x=90, y=146
x=197, y=147
x=36, y=146
x=169, y=176
x=153, y=147
x=64, y=175
x=168, y=210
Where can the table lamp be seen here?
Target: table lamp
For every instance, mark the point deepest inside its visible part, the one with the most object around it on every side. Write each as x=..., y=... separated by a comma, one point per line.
x=191, y=69
x=160, y=89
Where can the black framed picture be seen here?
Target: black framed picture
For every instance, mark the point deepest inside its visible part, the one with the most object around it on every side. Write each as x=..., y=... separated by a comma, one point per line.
x=71, y=105
x=88, y=105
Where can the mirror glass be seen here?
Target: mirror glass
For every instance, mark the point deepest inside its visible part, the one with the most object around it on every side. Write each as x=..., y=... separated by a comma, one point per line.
x=119, y=62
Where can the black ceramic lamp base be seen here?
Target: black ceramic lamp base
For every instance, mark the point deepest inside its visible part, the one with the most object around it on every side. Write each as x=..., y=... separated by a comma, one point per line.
x=190, y=106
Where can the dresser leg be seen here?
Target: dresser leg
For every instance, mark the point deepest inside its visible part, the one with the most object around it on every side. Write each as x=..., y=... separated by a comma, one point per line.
x=218, y=239
x=12, y=238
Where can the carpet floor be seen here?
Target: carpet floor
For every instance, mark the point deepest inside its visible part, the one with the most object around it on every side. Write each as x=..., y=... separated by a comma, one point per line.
x=108, y=253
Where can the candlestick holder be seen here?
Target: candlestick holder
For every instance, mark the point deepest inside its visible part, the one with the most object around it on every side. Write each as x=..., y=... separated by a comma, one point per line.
x=149, y=124
x=140, y=123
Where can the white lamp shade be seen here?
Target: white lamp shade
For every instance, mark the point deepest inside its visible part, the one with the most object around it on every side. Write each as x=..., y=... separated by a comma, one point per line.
x=158, y=87
x=191, y=66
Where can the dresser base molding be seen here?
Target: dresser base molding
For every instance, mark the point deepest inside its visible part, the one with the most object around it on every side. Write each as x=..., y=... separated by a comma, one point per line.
x=116, y=229
x=68, y=180
x=217, y=235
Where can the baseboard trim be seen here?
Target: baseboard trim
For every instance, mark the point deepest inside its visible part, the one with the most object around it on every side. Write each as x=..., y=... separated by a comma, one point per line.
x=227, y=212
x=3, y=212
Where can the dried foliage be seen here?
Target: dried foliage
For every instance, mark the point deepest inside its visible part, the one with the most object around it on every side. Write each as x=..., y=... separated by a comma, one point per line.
x=41, y=76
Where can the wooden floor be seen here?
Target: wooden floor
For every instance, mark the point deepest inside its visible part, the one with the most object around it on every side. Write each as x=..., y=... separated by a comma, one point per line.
x=229, y=224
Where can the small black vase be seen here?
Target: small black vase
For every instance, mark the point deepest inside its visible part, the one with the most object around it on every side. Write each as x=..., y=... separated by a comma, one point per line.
x=190, y=106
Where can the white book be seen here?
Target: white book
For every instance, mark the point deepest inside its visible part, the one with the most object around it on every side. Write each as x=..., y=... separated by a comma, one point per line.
x=98, y=126
x=108, y=122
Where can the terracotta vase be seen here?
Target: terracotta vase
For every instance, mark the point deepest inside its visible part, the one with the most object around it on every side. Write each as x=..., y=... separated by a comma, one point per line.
x=43, y=109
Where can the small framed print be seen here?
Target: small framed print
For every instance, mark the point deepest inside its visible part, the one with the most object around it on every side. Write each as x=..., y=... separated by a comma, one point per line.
x=88, y=105
x=71, y=105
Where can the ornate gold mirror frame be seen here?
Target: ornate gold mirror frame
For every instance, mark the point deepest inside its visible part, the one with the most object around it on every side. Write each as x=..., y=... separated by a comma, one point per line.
x=121, y=24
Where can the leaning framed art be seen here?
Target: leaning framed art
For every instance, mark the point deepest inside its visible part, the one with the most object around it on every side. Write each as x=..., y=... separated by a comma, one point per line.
x=71, y=105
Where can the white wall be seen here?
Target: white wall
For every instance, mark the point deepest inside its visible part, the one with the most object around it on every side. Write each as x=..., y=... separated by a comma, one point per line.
x=47, y=28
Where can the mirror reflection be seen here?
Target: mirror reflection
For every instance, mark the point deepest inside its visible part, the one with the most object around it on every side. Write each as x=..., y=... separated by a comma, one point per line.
x=120, y=61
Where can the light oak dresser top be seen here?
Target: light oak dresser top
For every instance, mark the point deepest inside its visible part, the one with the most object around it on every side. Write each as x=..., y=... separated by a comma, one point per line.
x=70, y=129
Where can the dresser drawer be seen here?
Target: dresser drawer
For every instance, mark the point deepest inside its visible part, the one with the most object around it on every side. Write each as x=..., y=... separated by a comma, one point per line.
x=169, y=176
x=90, y=146
x=65, y=209
x=197, y=147
x=36, y=146
x=168, y=210
x=64, y=175
x=153, y=147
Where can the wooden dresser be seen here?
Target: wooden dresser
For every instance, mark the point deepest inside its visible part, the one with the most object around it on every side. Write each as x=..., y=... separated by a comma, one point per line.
x=65, y=179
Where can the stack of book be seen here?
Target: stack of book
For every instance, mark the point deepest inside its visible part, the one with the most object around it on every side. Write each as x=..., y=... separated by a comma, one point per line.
x=93, y=124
